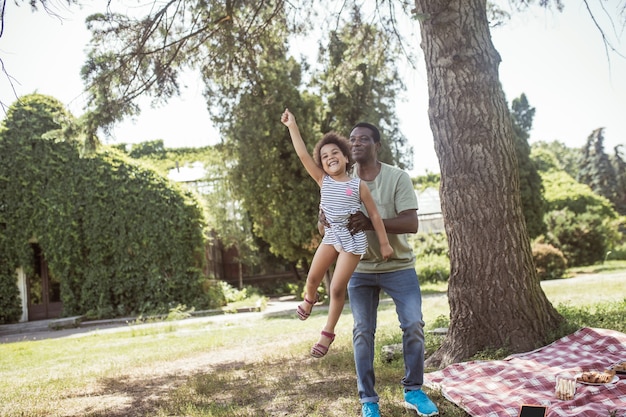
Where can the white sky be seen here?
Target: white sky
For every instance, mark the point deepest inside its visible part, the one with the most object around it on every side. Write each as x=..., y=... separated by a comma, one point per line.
x=557, y=59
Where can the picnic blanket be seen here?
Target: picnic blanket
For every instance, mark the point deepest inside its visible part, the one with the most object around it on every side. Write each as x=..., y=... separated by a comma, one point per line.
x=498, y=388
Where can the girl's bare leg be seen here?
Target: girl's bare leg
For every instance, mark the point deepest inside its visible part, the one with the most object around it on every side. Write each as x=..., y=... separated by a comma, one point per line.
x=346, y=264
x=324, y=257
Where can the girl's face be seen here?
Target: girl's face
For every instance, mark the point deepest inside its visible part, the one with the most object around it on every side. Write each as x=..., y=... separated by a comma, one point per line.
x=333, y=161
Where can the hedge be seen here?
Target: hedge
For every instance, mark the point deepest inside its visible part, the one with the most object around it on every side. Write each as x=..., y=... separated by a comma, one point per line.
x=122, y=239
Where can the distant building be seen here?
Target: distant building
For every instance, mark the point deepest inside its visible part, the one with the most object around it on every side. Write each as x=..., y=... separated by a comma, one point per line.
x=429, y=212
x=222, y=262
x=193, y=176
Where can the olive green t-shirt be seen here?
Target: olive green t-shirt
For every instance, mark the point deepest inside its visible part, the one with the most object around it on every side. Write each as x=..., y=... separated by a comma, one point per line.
x=393, y=192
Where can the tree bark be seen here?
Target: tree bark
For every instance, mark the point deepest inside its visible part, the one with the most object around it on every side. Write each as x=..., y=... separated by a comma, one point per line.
x=494, y=293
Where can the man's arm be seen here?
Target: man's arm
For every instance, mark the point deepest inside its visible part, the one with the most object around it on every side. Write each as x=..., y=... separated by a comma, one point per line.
x=321, y=222
x=405, y=222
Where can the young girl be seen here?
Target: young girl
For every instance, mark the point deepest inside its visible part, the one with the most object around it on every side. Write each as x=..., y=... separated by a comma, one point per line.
x=341, y=196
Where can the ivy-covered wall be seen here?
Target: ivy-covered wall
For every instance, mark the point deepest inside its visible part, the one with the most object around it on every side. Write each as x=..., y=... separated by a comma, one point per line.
x=121, y=238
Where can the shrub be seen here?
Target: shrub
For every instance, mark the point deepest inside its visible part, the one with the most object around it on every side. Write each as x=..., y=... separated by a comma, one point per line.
x=564, y=192
x=232, y=294
x=582, y=224
x=618, y=249
x=10, y=301
x=583, y=238
x=433, y=268
x=429, y=244
x=214, y=290
x=549, y=261
x=431, y=252
x=618, y=253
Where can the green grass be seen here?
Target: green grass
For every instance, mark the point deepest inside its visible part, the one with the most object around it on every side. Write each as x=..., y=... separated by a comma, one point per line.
x=227, y=367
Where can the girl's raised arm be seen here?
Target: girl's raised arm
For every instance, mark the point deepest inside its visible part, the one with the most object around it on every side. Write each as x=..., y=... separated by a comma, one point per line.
x=317, y=173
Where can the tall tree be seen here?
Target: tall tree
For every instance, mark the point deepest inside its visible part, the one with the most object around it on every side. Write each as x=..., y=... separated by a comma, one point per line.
x=360, y=82
x=531, y=188
x=619, y=165
x=269, y=182
x=596, y=169
x=494, y=293
x=145, y=53
x=267, y=177
x=241, y=50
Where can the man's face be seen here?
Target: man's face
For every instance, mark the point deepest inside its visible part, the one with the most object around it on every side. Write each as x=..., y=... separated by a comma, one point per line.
x=362, y=145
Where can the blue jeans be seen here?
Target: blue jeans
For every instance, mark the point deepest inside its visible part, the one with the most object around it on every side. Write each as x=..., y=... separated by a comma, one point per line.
x=403, y=287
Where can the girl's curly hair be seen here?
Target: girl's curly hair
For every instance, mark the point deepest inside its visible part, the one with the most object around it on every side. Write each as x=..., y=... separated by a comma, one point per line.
x=333, y=138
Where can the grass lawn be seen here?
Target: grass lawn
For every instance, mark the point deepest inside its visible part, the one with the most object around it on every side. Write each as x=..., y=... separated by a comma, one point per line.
x=242, y=365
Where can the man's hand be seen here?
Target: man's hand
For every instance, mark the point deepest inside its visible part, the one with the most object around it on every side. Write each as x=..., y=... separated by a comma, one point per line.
x=359, y=222
x=322, y=222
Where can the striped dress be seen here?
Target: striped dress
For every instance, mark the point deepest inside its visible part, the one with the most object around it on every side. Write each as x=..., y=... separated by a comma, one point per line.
x=338, y=201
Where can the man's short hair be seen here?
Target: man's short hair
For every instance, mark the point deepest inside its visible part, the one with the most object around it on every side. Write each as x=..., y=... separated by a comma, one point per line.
x=371, y=127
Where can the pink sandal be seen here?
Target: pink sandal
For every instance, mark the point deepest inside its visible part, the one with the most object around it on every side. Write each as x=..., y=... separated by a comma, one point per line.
x=318, y=350
x=302, y=314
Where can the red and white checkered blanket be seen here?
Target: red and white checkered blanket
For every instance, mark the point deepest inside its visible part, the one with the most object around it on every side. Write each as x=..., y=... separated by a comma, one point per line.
x=498, y=388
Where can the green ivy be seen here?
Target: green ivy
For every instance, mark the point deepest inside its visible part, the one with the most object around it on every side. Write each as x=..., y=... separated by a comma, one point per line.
x=122, y=239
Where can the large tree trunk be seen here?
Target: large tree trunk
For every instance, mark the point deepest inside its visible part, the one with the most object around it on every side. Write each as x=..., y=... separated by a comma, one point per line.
x=494, y=293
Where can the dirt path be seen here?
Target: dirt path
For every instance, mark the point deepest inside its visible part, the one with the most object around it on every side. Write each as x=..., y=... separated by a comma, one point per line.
x=40, y=330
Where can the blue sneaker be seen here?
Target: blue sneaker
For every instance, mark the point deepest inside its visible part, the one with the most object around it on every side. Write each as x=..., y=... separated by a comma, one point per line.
x=370, y=410
x=417, y=400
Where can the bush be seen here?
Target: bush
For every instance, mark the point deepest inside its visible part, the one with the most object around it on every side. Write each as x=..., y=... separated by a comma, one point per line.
x=429, y=244
x=549, y=261
x=433, y=268
x=618, y=253
x=583, y=238
x=564, y=192
x=214, y=290
x=431, y=252
x=232, y=294
x=618, y=250
x=10, y=301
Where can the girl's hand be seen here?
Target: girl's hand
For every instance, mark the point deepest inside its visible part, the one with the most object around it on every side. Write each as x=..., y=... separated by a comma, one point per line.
x=288, y=119
x=386, y=251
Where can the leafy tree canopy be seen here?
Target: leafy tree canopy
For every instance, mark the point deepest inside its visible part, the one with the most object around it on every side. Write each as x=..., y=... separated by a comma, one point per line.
x=596, y=169
x=555, y=155
x=564, y=192
x=620, y=173
x=242, y=53
x=531, y=188
x=360, y=82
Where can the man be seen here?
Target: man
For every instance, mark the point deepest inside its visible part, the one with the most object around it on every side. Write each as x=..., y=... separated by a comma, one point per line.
x=394, y=196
